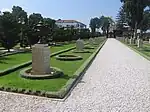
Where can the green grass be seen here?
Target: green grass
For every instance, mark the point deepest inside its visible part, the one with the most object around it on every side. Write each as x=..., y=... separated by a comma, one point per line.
x=68, y=67
x=59, y=48
x=144, y=50
x=9, y=61
x=16, y=59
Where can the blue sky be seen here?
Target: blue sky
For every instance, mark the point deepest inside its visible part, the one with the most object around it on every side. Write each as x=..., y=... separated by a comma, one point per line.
x=81, y=10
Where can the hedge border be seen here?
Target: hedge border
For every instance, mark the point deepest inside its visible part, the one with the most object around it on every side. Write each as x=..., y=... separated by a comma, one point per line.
x=64, y=91
x=138, y=52
x=16, y=67
x=13, y=53
x=84, y=51
x=19, y=66
x=78, y=74
x=63, y=58
x=58, y=73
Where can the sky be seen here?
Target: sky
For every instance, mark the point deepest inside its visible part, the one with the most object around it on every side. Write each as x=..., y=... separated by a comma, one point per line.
x=80, y=10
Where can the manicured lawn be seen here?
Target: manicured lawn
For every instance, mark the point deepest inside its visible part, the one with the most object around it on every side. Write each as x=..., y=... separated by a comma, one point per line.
x=68, y=67
x=145, y=49
x=16, y=59
x=12, y=60
x=59, y=48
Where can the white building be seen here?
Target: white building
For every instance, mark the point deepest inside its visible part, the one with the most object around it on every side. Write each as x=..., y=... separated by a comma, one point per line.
x=70, y=23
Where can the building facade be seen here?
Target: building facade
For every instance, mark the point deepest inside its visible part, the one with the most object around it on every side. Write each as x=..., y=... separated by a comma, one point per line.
x=70, y=24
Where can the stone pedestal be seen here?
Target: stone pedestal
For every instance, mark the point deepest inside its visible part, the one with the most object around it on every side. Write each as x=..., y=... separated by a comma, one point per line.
x=139, y=43
x=40, y=59
x=80, y=45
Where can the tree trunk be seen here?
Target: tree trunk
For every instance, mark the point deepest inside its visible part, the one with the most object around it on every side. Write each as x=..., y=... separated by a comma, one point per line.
x=8, y=49
x=135, y=30
x=107, y=32
x=30, y=46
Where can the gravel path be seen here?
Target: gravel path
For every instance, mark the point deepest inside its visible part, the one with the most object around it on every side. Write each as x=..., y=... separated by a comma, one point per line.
x=117, y=81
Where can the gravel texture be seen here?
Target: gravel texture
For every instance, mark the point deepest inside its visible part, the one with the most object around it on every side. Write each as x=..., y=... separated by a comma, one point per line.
x=117, y=81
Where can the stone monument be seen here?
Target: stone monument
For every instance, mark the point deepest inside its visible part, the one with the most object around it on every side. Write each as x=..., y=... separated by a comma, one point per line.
x=139, y=43
x=91, y=41
x=40, y=59
x=80, y=45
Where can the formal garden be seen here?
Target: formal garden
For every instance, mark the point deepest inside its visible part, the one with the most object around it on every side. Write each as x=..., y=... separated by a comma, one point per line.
x=38, y=58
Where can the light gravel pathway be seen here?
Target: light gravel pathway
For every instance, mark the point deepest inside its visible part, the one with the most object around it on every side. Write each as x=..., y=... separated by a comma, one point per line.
x=117, y=81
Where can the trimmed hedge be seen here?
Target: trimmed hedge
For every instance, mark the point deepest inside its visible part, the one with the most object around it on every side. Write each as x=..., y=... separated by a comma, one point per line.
x=57, y=73
x=142, y=54
x=14, y=68
x=66, y=89
x=68, y=57
x=84, y=51
x=12, y=53
x=78, y=74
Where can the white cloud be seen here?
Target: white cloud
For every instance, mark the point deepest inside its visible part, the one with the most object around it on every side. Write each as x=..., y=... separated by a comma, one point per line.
x=6, y=9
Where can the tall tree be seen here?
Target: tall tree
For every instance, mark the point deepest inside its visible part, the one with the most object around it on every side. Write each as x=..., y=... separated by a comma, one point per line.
x=105, y=23
x=8, y=31
x=94, y=24
x=22, y=18
x=34, y=19
x=135, y=10
x=145, y=23
x=121, y=19
x=31, y=31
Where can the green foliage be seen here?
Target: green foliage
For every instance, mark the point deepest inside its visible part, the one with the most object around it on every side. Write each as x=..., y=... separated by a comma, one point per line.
x=94, y=23
x=105, y=23
x=121, y=19
x=17, y=27
x=13, y=80
x=8, y=30
x=145, y=23
x=135, y=12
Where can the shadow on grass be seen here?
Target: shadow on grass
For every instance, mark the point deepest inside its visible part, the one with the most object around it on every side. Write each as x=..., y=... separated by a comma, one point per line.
x=3, y=59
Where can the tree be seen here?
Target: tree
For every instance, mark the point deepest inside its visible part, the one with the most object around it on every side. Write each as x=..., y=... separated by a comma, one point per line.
x=22, y=18
x=121, y=19
x=34, y=19
x=50, y=23
x=8, y=31
x=135, y=10
x=19, y=14
x=31, y=31
x=105, y=23
x=94, y=23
